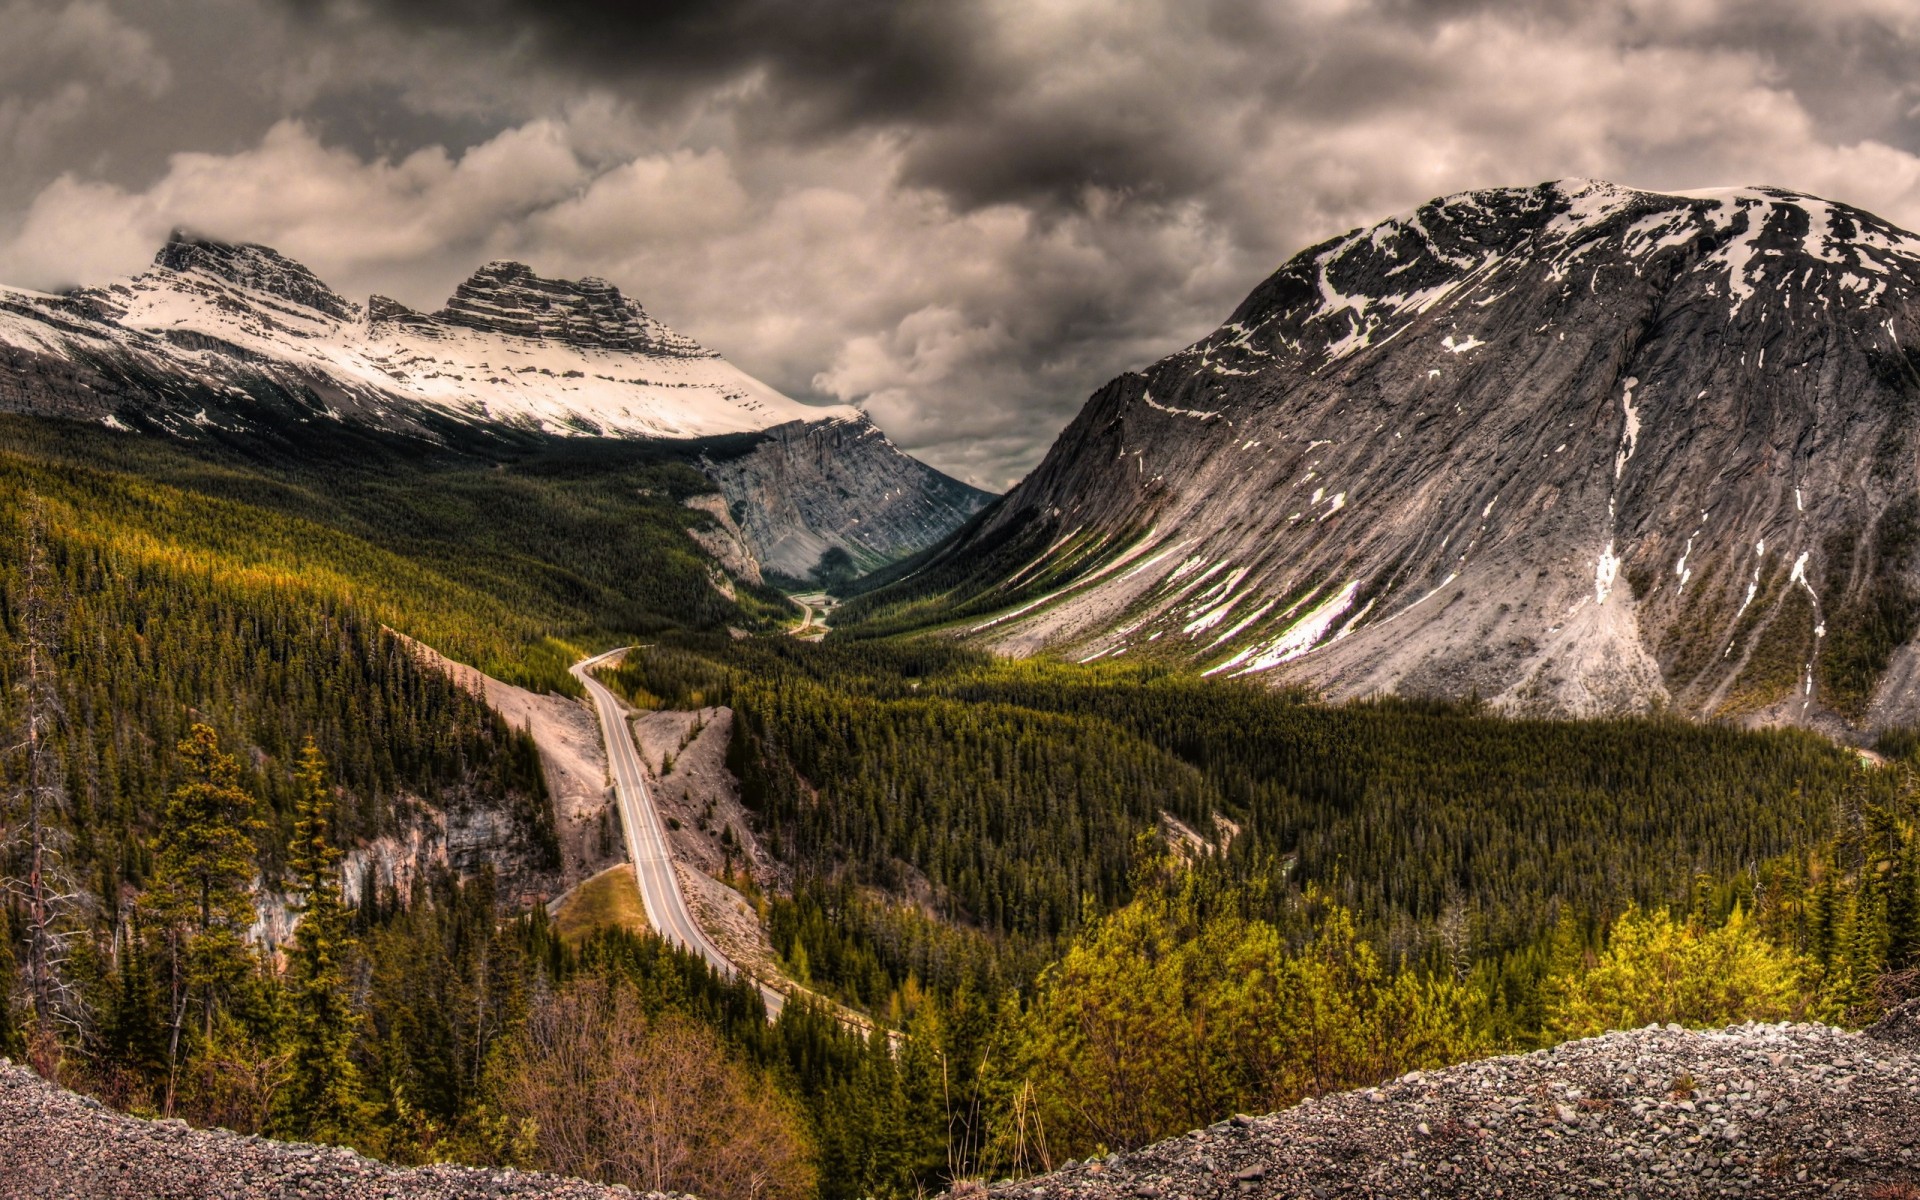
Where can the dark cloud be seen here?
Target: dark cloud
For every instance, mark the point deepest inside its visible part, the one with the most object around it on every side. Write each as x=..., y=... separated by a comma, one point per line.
x=825, y=65
x=966, y=214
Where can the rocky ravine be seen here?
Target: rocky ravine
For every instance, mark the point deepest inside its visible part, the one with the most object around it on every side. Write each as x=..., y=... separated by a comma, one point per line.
x=1755, y=1110
x=1576, y=448
x=55, y=1145
x=239, y=341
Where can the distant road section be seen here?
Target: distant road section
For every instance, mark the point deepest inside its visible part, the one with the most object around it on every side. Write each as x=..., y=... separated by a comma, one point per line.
x=647, y=838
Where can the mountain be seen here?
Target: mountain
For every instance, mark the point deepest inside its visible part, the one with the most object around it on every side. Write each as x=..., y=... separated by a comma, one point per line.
x=1575, y=448
x=241, y=340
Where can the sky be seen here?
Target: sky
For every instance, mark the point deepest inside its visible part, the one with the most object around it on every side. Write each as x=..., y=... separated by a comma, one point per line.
x=963, y=215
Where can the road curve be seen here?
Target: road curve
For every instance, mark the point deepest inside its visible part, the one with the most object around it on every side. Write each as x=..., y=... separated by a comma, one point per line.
x=647, y=837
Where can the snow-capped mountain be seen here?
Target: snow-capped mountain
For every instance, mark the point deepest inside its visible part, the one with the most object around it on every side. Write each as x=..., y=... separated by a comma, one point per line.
x=1573, y=448
x=240, y=337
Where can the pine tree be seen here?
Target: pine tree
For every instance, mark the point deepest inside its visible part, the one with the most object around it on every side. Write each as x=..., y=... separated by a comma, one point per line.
x=325, y=1089
x=202, y=887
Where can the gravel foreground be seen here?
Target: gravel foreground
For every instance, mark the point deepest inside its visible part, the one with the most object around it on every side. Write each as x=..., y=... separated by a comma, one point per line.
x=1755, y=1110
x=57, y=1145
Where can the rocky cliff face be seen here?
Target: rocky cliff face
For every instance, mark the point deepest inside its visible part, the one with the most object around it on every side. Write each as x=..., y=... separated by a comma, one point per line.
x=809, y=486
x=241, y=340
x=1577, y=448
x=508, y=298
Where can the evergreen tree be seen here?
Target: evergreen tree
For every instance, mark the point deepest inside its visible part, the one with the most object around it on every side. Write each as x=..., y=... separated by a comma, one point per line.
x=324, y=1094
x=201, y=894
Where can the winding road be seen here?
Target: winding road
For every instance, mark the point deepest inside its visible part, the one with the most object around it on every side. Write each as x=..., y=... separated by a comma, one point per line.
x=647, y=837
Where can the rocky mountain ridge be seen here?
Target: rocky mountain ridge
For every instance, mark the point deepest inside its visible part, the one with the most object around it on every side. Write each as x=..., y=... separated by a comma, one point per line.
x=1575, y=448
x=1755, y=1110
x=808, y=486
x=239, y=340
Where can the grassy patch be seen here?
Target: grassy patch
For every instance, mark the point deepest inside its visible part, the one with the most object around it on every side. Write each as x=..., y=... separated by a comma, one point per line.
x=610, y=900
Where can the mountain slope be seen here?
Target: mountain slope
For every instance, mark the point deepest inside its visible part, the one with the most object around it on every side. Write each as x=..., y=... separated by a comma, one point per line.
x=240, y=340
x=1575, y=447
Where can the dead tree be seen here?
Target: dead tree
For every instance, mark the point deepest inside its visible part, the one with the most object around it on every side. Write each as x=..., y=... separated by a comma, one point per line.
x=38, y=802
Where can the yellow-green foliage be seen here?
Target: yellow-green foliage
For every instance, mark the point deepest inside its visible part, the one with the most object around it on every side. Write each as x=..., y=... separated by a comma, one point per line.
x=247, y=548
x=1162, y=1017
x=506, y=564
x=1775, y=668
x=1657, y=970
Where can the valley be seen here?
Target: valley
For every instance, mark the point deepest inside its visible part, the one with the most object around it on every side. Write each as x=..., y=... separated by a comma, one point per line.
x=580, y=762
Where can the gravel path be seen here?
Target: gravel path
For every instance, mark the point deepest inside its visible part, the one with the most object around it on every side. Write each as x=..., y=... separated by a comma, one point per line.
x=61, y=1146
x=1755, y=1110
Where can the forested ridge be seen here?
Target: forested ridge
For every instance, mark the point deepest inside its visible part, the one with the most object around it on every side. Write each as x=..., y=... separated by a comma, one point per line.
x=1373, y=887
x=505, y=560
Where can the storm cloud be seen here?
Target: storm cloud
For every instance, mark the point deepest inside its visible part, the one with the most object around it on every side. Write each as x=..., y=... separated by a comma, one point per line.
x=963, y=214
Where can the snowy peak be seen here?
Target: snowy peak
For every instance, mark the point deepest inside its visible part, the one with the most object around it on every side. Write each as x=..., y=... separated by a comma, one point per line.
x=257, y=268
x=511, y=348
x=1360, y=289
x=508, y=298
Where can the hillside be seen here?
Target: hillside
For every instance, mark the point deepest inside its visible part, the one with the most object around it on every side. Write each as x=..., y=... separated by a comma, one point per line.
x=1575, y=448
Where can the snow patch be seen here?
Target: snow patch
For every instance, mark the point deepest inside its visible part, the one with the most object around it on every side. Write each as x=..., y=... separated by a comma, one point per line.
x=1304, y=634
x=1605, y=571
x=1631, y=436
x=1196, y=414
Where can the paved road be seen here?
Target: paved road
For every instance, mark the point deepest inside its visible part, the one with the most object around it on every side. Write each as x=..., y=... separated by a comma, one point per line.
x=808, y=627
x=647, y=836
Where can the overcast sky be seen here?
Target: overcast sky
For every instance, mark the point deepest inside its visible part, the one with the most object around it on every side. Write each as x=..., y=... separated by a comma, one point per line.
x=963, y=214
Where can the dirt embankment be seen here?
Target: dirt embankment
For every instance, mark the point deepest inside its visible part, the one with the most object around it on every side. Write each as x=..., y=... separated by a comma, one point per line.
x=574, y=762
x=685, y=754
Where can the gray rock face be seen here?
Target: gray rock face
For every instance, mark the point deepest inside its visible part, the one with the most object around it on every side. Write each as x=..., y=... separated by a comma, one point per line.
x=1576, y=448
x=1756, y=1110
x=807, y=487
